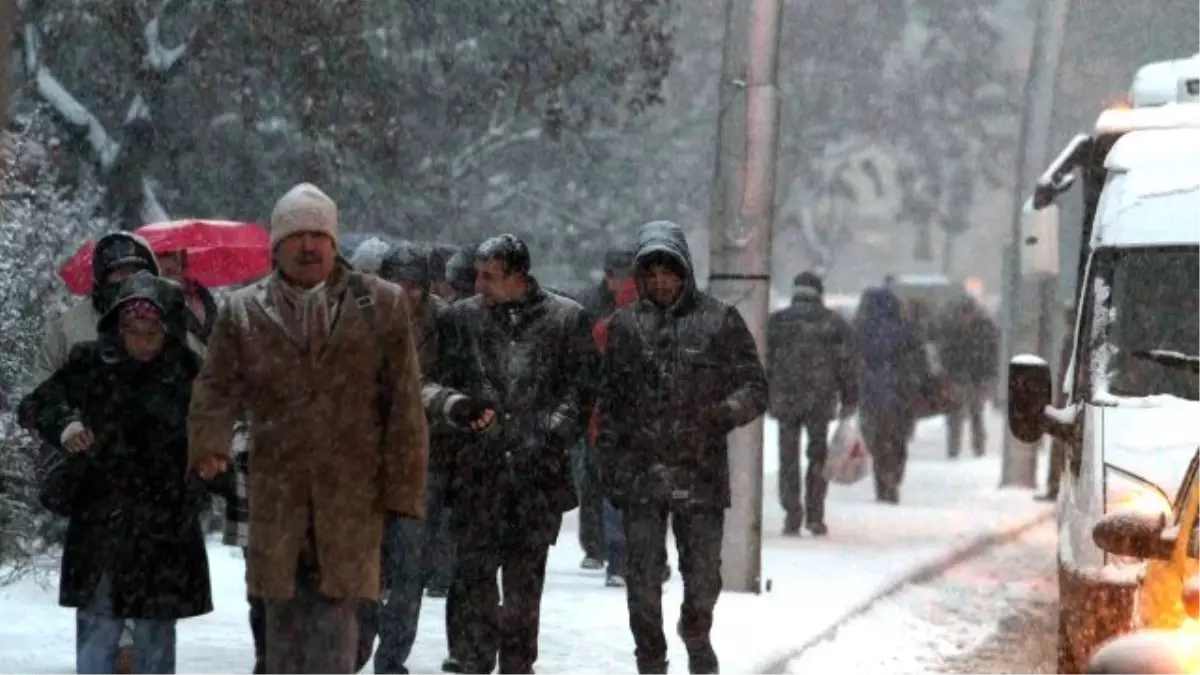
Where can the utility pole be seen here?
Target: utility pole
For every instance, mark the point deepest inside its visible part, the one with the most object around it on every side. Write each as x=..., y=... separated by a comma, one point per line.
x=8, y=26
x=741, y=220
x=1019, y=463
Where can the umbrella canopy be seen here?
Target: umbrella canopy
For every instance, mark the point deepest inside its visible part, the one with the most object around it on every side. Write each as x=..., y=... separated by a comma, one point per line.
x=219, y=253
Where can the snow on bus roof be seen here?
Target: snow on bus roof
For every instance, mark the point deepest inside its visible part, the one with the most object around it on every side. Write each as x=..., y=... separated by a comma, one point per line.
x=1154, y=147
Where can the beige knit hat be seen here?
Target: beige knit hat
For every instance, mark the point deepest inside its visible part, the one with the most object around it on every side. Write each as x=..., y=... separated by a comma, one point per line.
x=304, y=209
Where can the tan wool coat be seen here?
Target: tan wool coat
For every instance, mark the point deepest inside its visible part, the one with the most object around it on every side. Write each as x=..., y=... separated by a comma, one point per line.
x=315, y=435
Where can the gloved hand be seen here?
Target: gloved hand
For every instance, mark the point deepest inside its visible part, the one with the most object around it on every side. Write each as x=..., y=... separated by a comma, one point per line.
x=76, y=437
x=471, y=413
x=656, y=484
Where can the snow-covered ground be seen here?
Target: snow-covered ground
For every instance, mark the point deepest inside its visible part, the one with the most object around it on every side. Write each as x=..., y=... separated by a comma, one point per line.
x=815, y=582
x=974, y=618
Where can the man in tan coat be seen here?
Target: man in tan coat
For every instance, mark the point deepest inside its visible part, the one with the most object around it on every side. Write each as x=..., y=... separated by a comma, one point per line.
x=336, y=424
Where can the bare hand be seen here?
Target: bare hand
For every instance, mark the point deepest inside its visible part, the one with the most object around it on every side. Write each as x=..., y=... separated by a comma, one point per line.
x=485, y=420
x=80, y=441
x=209, y=467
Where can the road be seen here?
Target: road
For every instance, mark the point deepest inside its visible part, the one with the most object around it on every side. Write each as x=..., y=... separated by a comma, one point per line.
x=995, y=613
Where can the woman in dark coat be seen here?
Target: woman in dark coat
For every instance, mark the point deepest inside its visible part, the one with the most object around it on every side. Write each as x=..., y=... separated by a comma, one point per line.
x=134, y=547
x=889, y=378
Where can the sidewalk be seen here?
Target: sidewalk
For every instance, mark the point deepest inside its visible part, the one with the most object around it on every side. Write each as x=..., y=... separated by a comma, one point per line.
x=945, y=506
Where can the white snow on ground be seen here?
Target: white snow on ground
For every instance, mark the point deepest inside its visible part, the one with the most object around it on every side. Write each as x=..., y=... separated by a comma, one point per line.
x=920, y=627
x=815, y=582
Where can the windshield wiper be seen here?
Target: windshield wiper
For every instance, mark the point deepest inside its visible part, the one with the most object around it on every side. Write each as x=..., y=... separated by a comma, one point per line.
x=1169, y=358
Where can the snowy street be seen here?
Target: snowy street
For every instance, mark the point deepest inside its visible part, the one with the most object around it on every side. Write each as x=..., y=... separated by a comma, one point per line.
x=945, y=505
x=995, y=613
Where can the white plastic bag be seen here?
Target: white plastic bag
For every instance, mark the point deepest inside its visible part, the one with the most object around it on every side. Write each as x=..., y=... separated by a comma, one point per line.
x=848, y=460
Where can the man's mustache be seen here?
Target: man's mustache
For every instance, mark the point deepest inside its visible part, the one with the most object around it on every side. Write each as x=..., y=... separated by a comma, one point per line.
x=305, y=258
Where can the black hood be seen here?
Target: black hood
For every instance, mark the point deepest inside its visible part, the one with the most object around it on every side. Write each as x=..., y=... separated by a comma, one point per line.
x=460, y=271
x=163, y=293
x=113, y=251
x=407, y=261
x=664, y=238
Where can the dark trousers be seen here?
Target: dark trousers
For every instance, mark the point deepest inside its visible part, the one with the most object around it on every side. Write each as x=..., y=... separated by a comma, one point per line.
x=310, y=633
x=591, y=504
x=454, y=617
x=698, y=535
x=815, y=485
x=400, y=607
x=886, y=436
x=500, y=627
x=258, y=629
x=969, y=400
x=438, y=554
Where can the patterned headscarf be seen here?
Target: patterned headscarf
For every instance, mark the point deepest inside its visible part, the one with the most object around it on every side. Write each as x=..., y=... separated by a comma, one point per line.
x=140, y=310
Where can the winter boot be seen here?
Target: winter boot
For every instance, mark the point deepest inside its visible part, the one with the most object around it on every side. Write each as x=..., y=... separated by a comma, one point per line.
x=615, y=581
x=653, y=668
x=590, y=563
x=451, y=665
x=792, y=523
x=702, y=658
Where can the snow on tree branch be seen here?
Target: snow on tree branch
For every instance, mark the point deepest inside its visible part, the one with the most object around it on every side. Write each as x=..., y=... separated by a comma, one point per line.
x=160, y=58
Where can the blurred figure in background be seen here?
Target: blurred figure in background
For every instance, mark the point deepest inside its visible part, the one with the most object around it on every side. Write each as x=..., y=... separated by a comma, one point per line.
x=599, y=302
x=812, y=370
x=1054, y=465
x=888, y=378
x=968, y=347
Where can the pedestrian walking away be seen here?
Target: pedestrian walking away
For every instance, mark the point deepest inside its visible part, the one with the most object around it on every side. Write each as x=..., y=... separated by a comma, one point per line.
x=889, y=377
x=680, y=372
x=968, y=344
x=524, y=349
x=812, y=366
x=298, y=352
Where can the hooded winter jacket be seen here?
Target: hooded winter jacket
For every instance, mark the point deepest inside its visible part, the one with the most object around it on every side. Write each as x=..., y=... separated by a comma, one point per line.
x=78, y=324
x=676, y=381
x=134, y=509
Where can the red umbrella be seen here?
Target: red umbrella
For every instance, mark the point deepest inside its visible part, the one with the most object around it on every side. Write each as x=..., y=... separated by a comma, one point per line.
x=219, y=253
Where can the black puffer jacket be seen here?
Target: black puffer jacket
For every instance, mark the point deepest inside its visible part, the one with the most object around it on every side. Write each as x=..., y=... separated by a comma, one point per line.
x=513, y=483
x=810, y=358
x=135, y=510
x=676, y=381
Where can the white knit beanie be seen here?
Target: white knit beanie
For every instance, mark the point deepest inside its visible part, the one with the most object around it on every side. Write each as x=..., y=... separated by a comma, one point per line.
x=304, y=209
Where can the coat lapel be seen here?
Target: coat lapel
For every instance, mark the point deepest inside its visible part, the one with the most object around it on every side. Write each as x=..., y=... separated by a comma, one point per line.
x=266, y=302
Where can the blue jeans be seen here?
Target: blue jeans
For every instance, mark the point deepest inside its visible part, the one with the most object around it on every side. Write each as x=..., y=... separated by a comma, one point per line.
x=439, y=547
x=591, y=503
x=98, y=638
x=400, y=603
x=614, y=539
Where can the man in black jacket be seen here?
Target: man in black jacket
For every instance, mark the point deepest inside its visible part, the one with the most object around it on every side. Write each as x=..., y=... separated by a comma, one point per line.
x=681, y=371
x=524, y=350
x=810, y=358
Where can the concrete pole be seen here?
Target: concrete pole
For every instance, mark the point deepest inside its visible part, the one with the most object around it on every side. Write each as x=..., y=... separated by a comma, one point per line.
x=8, y=27
x=1019, y=465
x=740, y=229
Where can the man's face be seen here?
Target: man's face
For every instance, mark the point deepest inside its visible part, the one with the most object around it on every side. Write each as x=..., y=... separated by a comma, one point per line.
x=307, y=259
x=497, y=286
x=171, y=266
x=142, y=337
x=413, y=294
x=663, y=284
